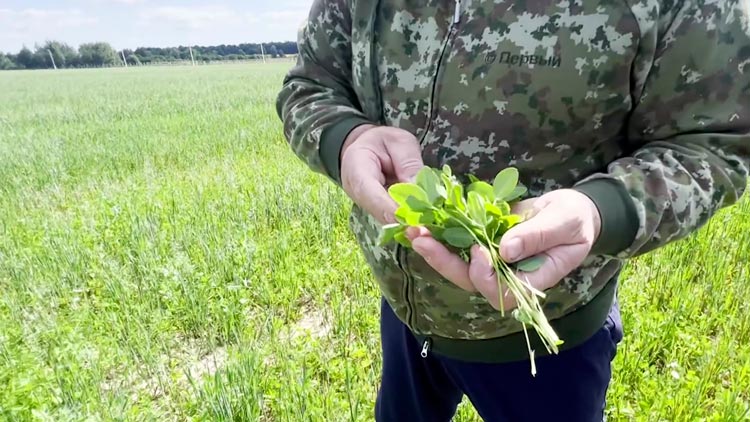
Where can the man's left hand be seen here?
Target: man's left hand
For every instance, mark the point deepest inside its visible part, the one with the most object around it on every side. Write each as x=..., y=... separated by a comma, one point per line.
x=561, y=225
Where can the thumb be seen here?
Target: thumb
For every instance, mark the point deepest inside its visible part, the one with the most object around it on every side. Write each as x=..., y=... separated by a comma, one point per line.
x=406, y=157
x=536, y=235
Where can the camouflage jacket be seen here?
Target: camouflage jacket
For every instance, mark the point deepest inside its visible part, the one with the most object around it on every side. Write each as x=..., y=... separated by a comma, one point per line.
x=644, y=105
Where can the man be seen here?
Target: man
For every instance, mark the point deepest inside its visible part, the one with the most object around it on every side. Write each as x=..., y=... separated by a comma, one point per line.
x=627, y=119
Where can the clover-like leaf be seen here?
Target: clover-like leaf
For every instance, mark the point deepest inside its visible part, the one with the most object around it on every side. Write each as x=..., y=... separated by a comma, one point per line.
x=430, y=182
x=476, y=208
x=458, y=237
x=402, y=240
x=503, y=206
x=517, y=192
x=401, y=191
x=456, y=197
x=417, y=204
x=530, y=265
x=505, y=182
x=436, y=231
x=427, y=217
x=484, y=189
x=406, y=215
x=388, y=232
x=494, y=210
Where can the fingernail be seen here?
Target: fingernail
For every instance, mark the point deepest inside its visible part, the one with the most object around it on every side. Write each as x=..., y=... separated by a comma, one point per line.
x=512, y=249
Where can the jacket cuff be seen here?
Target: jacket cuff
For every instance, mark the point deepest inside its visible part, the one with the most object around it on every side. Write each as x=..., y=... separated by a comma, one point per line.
x=619, y=216
x=331, y=140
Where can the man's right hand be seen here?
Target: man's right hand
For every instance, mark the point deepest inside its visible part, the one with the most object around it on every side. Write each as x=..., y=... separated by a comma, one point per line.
x=374, y=157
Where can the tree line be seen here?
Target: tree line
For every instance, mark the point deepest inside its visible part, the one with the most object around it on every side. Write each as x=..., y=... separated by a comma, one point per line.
x=101, y=54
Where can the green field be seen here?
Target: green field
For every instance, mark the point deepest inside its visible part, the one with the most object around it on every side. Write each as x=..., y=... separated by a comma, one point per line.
x=164, y=256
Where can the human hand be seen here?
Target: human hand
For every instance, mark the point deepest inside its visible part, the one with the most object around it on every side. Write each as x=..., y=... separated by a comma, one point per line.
x=374, y=157
x=562, y=226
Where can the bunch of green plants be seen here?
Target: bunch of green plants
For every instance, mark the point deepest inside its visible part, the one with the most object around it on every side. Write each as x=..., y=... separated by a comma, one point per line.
x=479, y=213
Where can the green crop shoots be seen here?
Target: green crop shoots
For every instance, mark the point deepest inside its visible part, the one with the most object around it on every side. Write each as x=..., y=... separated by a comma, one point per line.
x=461, y=216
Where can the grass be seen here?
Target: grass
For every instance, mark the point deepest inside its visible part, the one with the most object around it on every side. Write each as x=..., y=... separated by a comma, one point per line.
x=164, y=256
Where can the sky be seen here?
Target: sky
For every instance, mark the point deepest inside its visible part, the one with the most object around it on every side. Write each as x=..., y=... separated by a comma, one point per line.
x=149, y=23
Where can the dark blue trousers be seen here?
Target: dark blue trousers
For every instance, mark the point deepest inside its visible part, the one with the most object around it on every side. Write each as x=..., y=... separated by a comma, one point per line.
x=569, y=387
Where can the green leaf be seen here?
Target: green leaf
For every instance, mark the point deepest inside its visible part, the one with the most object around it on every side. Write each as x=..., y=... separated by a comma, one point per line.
x=457, y=197
x=502, y=225
x=447, y=170
x=494, y=210
x=518, y=192
x=430, y=182
x=388, y=232
x=436, y=231
x=530, y=265
x=401, y=191
x=401, y=238
x=417, y=204
x=458, y=237
x=427, y=217
x=505, y=182
x=503, y=206
x=456, y=218
x=512, y=219
x=476, y=208
x=472, y=178
x=407, y=216
x=492, y=227
x=484, y=189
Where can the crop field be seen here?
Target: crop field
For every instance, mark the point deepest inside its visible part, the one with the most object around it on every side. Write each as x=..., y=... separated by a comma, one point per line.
x=165, y=257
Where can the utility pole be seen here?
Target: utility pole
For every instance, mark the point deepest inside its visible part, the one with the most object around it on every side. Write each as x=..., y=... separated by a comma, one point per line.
x=123, y=58
x=262, y=53
x=192, y=58
x=52, y=58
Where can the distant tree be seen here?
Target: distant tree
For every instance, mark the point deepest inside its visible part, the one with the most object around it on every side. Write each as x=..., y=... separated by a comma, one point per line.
x=97, y=54
x=6, y=62
x=288, y=47
x=102, y=54
x=40, y=59
x=133, y=60
x=273, y=51
x=24, y=58
x=64, y=55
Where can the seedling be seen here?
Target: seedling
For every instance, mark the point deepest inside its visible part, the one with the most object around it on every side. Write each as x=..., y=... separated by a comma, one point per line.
x=461, y=216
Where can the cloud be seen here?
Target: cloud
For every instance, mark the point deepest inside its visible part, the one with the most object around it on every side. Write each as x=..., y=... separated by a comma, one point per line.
x=284, y=17
x=31, y=25
x=27, y=19
x=194, y=18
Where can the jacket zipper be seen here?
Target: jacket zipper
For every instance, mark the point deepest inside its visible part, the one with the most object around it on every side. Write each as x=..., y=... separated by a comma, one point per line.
x=448, y=41
x=426, y=345
x=400, y=251
x=408, y=284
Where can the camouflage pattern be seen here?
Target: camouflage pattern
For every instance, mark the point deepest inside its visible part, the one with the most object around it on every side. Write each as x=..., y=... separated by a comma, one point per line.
x=652, y=93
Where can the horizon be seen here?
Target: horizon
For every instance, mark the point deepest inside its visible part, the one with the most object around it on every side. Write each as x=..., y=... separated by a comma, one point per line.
x=130, y=24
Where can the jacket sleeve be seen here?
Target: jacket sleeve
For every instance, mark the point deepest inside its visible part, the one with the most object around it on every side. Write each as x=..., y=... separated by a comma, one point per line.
x=690, y=126
x=317, y=104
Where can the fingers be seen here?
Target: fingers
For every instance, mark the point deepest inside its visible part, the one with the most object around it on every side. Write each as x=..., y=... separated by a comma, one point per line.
x=559, y=262
x=446, y=263
x=540, y=233
x=483, y=275
x=406, y=156
x=364, y=184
